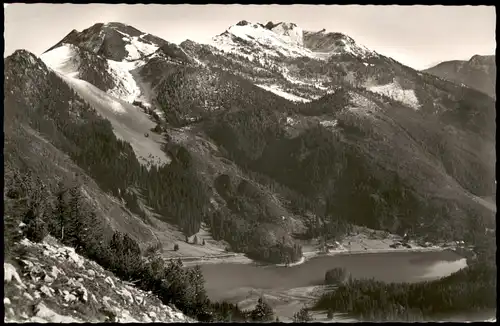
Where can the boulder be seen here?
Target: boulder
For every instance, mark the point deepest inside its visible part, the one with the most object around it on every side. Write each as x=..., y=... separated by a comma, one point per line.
x=10, y=273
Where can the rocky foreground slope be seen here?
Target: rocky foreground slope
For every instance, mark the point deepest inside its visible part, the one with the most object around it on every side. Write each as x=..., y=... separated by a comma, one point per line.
x=48, y=282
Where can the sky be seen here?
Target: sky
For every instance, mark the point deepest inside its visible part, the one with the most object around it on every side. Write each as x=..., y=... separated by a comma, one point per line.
x=417, y=36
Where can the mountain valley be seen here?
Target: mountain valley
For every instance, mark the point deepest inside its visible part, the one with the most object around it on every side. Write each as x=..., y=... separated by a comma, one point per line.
x=247, y=147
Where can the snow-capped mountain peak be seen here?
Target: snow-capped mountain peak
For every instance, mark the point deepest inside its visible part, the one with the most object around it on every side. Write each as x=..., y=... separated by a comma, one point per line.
x=251, y=40
x=114, y=41
x=274, y=40
x=284, y=32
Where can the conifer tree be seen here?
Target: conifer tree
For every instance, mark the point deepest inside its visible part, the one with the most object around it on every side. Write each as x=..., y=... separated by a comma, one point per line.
x=73, y=220
x=36, y=230
x=12, y=231
x=303, y=315
x=262, y=312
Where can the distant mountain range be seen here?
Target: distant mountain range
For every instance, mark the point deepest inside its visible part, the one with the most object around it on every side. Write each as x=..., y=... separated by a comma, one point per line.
x=479, y=73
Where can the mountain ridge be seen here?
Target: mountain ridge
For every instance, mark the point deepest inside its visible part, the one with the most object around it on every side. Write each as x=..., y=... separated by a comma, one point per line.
x=479, y=72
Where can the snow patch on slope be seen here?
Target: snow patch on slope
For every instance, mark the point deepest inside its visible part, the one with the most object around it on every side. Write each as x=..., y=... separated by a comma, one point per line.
x=362, y=106
x=133, y=53
x=143, y=47
x=106, y=101
x=137, y=46
x=278, y=91
x=328, y=123
x=63, y=59
x=66, y=61
x=396, y=92
x=126, y=88
x=129, y=122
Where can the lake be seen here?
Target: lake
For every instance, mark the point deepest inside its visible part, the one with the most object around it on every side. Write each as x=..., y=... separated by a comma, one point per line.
x=288, y=288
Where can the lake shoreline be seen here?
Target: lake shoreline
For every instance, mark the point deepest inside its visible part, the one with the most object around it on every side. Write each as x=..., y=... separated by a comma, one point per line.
x=362, y=241
x=238, y=258
x=289, y=289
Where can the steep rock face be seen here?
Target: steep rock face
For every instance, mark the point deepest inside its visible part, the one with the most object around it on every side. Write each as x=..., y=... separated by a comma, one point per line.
x=335, y=43
x=52, y=283
x=108, y=55
x=289, y=30
x=478, y=73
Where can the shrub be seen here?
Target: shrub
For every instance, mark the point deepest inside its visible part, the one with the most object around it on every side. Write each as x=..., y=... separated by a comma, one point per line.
x=157, y=129
x=176, y=247
x=262, y=312
x=36, y=230
x=12, y=232
x=153, y=248
x=303, y=315
x=335, y=276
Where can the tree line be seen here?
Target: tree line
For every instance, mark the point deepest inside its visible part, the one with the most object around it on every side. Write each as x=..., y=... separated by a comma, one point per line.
x=471, y=289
